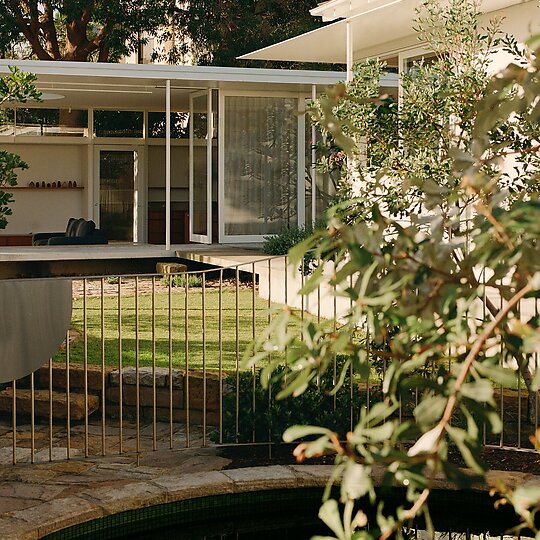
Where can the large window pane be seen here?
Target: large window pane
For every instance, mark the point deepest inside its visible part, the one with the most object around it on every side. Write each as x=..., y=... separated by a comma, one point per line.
x=51, y=122
x=261, y=171
x=127, y=124
x=179, y=125
x=7, y=122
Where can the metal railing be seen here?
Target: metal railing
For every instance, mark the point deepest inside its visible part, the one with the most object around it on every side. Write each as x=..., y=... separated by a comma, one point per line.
x=154, y=362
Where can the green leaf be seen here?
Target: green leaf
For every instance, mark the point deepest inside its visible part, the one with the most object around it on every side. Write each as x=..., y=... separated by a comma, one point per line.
x=356, y=481
x=329, y=514
x=430, y=410
x=469, y=453
x=481, y=391
x=427, y=443
x=524, y=497
x=297, y=385
x=502, y=376
x=300, y=432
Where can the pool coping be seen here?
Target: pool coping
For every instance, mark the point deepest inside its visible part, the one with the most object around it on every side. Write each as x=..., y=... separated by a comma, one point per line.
x=90, y=504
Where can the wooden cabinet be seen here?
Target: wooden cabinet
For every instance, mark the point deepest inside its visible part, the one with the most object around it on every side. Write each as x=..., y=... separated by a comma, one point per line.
x=15, y=239
x=179, y=227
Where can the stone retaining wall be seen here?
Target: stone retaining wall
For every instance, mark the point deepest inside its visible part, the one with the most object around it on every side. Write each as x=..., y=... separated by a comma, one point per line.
x=186, y=391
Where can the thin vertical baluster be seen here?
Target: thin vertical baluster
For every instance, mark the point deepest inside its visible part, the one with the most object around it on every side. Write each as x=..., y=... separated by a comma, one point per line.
x=334, y=359
x=186, y=352
x=237, y=353
x=85, y=361
x=351, y=389
x=170, y=364
x=368, y=352
x=220, y=354
x=502, y=387
x=68, y=398
x=302, y=305
x=32, y=420
x=121, y=377
x=103, y=389
x=286, y=271
x=203, y=308
x=154, y=401
x=269, y=357
x=50, y=409
x=318, y=380
x=137, y=381
x=253, y=333
x=518, y=315
x=484, y=317
x=536, y=356
x=14, y=422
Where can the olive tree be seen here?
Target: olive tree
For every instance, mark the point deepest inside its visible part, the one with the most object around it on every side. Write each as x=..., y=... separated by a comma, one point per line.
x=443, y=250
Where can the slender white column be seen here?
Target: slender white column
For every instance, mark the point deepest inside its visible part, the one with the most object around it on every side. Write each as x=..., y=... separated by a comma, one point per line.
x=350, y=51
x=168, y=164
x=313, y=163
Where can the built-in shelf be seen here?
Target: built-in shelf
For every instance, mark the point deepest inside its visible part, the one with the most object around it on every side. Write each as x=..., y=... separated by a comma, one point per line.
x=8, y=188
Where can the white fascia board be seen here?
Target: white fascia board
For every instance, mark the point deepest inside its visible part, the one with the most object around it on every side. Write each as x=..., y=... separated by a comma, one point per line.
x=331, y=10
x=343, y=9
x=339, y=9
x=150, y=73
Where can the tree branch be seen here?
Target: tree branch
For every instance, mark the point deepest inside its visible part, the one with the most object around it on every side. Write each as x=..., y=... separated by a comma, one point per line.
x=31, y=33
x=49, y=30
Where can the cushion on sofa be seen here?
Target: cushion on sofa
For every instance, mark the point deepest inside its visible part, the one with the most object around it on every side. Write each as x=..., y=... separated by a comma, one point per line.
x=85, y=228
x=75, y=227
x=71, y=226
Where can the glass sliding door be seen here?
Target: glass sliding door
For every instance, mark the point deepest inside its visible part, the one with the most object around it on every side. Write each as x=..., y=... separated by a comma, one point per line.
x=117, y=172
x=201, y=132
x=259, y=181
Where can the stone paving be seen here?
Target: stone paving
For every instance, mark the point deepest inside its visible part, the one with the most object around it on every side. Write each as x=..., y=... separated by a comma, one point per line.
x=31, y=493
x=46, y=496
x=94, y=439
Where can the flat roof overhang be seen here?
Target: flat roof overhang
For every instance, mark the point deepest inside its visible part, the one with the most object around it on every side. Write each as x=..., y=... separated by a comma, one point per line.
x=375, y=25
x=134, y=86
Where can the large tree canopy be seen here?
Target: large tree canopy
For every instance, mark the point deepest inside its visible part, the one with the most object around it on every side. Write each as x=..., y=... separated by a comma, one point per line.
x=80, y=30
x=222, y=30
x=213, y=32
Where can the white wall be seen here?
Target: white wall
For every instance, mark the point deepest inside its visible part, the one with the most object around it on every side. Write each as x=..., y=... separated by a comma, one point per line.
x=43, y=211
x=47, y=210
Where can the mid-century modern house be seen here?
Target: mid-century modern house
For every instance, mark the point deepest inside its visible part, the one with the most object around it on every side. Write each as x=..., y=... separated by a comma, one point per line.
x=232, y=163
x=233, y=156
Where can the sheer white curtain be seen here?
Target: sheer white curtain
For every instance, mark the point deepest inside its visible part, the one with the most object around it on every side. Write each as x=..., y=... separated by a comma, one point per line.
x=261, y=172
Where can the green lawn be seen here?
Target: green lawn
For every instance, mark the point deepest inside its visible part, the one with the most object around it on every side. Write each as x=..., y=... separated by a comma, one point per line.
x=195, y=334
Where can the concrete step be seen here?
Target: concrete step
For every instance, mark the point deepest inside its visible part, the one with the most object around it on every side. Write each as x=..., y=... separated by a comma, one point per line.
x=42, y=404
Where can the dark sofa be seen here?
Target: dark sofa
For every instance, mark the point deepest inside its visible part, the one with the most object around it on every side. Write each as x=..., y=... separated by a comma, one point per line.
x=78, y=232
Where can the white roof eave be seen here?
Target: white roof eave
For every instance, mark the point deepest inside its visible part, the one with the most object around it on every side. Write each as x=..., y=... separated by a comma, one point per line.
x=152, y=73
x=375, y=26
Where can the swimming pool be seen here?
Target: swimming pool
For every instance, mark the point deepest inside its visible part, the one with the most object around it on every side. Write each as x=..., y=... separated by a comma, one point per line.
x=283, y=514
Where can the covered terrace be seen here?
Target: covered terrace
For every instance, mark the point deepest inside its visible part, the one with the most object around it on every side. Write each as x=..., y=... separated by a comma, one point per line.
x=165, y=154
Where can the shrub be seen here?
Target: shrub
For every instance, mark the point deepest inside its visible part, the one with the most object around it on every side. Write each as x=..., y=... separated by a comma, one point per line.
x=279, y=244
x=179, y=280
x=270, y=418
